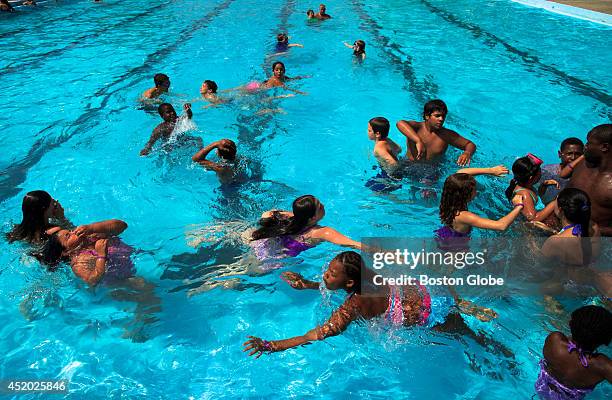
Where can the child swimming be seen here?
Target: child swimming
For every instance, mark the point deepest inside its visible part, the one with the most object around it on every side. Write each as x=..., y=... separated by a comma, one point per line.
x=228, y=170
x=401, y=306
x=164, y=130
x=283, y=45
x=571, y=367
x=162, y=84
x=278, y=79
x=358, y=49
x=288, y=233
x=527, y=173
x=94, y=252
x=386, y=150
x=40, y=212
x=459, y=190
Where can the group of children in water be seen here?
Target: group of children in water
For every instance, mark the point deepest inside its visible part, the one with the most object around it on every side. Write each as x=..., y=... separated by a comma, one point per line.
x=571, y=367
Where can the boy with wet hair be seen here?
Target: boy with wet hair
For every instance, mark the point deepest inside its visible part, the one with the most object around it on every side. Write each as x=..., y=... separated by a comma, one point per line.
x=164, y=129
x=386, y=150
x=429, y=140
x=162, y=84
x=571, y=148
x=228, y=169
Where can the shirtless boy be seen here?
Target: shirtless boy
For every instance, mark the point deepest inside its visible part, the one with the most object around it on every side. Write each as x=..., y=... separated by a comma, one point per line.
x=429, y=140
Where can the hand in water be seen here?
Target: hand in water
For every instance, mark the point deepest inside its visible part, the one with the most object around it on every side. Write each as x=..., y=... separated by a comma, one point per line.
x=464, y=159
x=256, y=346
x=295, y=280
x=499, y=170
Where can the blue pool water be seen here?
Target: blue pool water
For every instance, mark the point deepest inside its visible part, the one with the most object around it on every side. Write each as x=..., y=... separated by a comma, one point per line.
x=516, y=80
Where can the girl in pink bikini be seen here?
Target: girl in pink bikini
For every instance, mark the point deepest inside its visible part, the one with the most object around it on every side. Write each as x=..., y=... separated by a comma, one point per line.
x=278, y=79
x=401, y=306
x=94, y=252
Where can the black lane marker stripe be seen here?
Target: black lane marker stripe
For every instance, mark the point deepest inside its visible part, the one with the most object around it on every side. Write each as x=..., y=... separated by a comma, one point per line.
x=36, y=60
x=488, y=39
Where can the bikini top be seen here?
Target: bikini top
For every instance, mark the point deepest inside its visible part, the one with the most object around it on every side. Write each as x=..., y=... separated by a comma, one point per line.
x=533, y=196
x=576, y=229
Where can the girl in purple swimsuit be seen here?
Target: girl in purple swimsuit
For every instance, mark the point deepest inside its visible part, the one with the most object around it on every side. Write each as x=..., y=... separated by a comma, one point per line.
x=459, y=190
x=95, y=253
x=407, y=305
x=287, y=234
x=571, y=367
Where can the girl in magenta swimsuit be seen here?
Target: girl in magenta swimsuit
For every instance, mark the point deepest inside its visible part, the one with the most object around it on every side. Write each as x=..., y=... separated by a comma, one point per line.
x=459, y=190
x=571, y=367
x=287, y=234
x=95, y=253
x=401, y=306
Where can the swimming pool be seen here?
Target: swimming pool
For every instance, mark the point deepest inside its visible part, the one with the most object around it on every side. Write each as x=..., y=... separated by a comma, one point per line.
x=516, y=79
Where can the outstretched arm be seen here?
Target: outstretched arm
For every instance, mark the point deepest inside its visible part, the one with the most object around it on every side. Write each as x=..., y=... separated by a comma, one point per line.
x=337, y=323
x=469, y=218
x=333, y=236
x=567, y=171
x=499, y=170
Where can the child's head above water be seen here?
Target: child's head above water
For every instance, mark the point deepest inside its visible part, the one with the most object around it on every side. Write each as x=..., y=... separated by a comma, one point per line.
x=310, y=14
x=282, y=38
x=571, y=149
x=167, y=112
x=162, y=81
x=278, y=69
x=208, y=86
x=591, y=327
x=227, y=150
x=344, y=272
x=378, y=128
x=359, y=47
x=526, y=172
x=459, y=190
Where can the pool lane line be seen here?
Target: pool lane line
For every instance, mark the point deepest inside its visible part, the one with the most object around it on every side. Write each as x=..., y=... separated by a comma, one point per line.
x=41, y=58
x=421, y=91
x=16, y=173
x=576, y=84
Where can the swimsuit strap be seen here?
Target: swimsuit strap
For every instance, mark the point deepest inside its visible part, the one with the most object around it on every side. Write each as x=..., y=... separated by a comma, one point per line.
x=576, y=229
x=426, y=304
x=571, y=346
x=533, y=196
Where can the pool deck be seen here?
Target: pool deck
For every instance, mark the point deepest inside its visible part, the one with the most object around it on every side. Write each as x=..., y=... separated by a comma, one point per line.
x=602, y=6
x=598, y=11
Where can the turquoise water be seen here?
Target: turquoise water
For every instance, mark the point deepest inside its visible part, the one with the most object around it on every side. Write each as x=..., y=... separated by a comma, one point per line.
x=516, y=79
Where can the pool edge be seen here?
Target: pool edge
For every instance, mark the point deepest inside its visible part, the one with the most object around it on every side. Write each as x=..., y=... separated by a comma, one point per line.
x=570, y=11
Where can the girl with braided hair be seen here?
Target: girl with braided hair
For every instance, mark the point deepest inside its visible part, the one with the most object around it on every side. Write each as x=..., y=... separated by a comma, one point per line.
x=406, y=305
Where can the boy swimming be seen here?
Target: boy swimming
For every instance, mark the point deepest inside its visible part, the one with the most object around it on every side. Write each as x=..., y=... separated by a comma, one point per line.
x=164, y=130
x=162, y=84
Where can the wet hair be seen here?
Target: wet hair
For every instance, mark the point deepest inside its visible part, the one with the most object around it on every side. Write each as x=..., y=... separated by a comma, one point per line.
x=353, y=266
x=212, y=85
x=380, y=125
x=282, y=37
x=304, y=208
x=310, y=12
x=433, y=106
x=277, y=63
x=160, y=78
x=33, y=223
x=591, y=327
x=228, y=153
x=524, y=170
x=576, y=207
x=50, y=253
x=571, y=142
x=456, y=194
x=360, y=47
x=162, y=106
